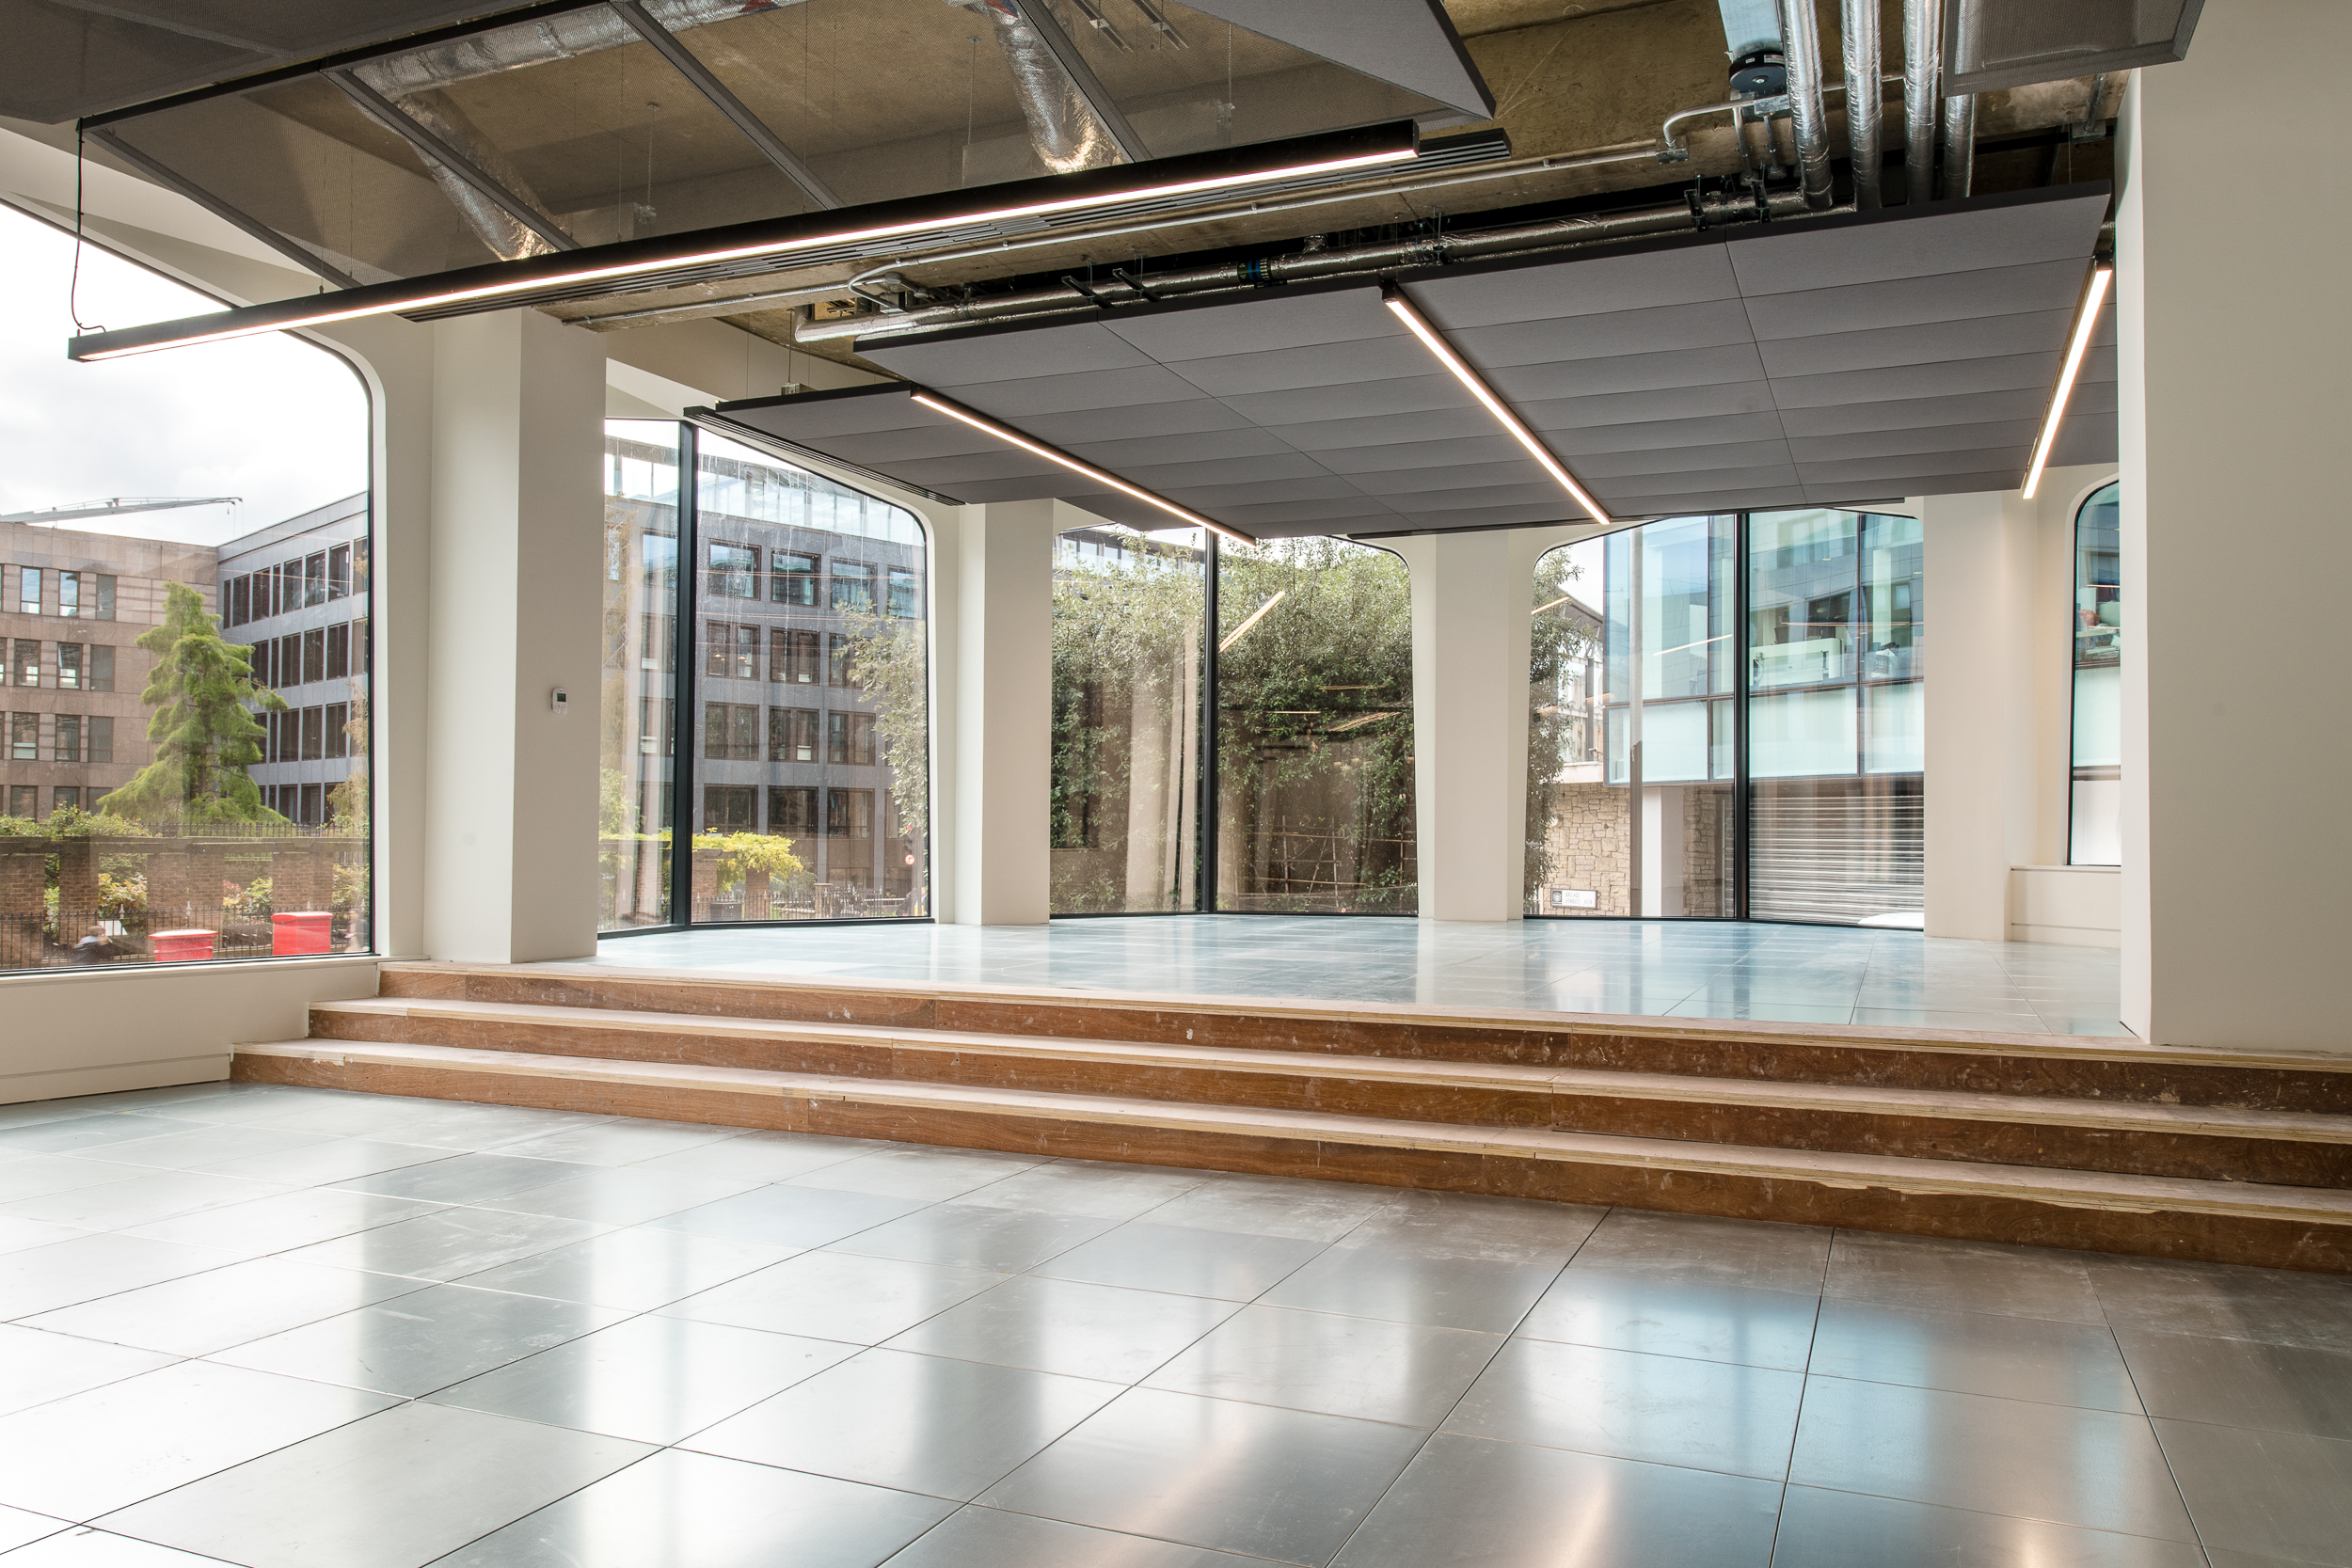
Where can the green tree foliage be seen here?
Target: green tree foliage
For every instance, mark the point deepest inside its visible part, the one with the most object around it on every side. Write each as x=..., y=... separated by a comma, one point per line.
x=347, y=802
x=204, y=738
x=1560, y=634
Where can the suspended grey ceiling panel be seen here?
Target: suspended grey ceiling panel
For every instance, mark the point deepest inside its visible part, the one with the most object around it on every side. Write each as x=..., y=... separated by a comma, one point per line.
x=1408, y=43
x=1799, y=363
x=1989, y=44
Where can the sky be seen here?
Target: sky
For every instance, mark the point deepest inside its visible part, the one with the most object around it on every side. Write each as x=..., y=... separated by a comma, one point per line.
x=272, y=419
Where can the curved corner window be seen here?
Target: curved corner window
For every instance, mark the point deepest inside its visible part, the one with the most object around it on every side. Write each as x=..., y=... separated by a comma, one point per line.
x=2094, y=834
x=185, y=743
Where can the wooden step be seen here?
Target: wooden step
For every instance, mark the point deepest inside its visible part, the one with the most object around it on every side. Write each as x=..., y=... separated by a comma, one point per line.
x=2068, y=1066
x=2160, y=1216
x=2293, y=1148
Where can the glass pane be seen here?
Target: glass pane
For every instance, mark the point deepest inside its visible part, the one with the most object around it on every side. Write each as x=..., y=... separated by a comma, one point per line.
x=638, y=704
x=812, y=778
x=167, y=793
x=1127, y=621
x=1576, y=824
x=1316, y=730
x=2096, y=835
x=1835, y=718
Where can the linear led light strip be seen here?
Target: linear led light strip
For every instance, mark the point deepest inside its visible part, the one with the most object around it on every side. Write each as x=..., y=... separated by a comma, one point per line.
x=1013, y=437
x=2085, y=323
x=1394, y=299
x=390, y=300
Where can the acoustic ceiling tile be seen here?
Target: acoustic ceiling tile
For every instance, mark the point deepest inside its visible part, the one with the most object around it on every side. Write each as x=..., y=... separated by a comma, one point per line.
x=1442, y=498
x=1953, y=237
x=2098, y=364
x=1937, y=485
x=2094, y=397
x=1212, y=498
x=1026, y=489
x=1917, y=466
x=2041, y=331
x=2085, y=441
x=1887, y=443
x=1300, y=511
x=1706, y=430
x=1628, y=489
x=1283, y=369
x=2006, y=373
x=2025, y=403
x=1530, y=514
x=1469, y=422
x=806, y=418
x=1917, y=301
x=1388, y=456
x=1602, y=468
x=945, y=439
x=951, y=473
x=1236, y=470
x=1631, y=373
x=987, y=356
x=1594, y=286
x=1693, y=503
x=1015, y=400
x=1426, y=390
x=1711, y=325
x=1133, y=422
x=1193, y=445
x=1277, y=319
x=1607, y=409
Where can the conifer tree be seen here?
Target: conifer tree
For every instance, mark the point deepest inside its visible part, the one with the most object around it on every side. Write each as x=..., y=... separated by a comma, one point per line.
x=203, y=736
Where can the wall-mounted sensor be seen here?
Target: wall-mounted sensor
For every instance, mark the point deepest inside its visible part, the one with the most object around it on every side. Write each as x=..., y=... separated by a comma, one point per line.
x=560, y=700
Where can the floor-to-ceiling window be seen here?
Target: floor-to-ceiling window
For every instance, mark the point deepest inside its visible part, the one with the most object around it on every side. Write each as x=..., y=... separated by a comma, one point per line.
x=187, y=634
x=1128, y=621
x=2095, y=835
x=1762, y=755
x=1836, y=708
x=638, y=704
x=1313, y=726
x=811, y=648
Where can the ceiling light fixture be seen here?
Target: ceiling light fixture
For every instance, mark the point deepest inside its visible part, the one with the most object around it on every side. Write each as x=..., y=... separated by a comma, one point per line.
x=1255, y=616
x=1394, y=299
x=781, y=239
x=2086, y=321
x=1013, y=437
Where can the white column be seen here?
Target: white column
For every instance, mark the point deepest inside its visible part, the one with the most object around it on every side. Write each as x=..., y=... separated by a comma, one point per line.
x=513, y=612
x=1982, y=760
x=2232, y=339
x=1471, y=596
x=995, y=762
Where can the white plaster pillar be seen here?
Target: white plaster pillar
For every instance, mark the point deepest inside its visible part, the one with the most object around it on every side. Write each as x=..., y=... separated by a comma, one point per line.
x=512, y=611
x=1981, y=755
x=1471, y=598
x=995, y=763
x=2232, y=337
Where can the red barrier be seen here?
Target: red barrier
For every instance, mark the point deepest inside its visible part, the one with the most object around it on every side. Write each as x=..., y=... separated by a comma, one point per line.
x=178, y=948
x=303, y=931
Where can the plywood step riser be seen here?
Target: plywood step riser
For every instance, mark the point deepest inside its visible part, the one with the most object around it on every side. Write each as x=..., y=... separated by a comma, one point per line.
x=2200, y=1156
x=2154, y=1233
x=1763, y=1053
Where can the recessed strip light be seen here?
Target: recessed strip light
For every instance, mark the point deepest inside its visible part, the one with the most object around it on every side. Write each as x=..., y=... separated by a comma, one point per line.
x=780, y=238
x=1394, y=299
x=2086, y=323
x=1013, y=437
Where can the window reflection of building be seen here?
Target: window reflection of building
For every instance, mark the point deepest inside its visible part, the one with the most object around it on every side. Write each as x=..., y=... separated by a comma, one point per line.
x=2096, y=789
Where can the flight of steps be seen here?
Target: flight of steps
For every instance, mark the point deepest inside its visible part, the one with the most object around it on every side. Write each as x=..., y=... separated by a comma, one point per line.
x=2044, y=1140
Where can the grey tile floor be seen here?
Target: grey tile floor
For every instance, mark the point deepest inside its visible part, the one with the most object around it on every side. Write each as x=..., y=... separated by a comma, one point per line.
x=1675, y=969
x=294, y=1328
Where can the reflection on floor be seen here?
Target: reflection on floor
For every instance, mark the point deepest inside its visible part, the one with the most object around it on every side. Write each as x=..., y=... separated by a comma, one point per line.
x=287, y=1328
x=1675, y=969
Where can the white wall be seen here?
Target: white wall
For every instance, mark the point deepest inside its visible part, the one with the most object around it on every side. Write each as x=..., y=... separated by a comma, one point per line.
x=2232, y=340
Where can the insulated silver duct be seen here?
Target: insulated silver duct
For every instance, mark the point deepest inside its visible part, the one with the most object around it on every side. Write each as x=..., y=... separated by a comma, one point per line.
x=1064, y=127
x=1923, y=44
x=1960, y=144
x=1860, y=25
x=1801, y=47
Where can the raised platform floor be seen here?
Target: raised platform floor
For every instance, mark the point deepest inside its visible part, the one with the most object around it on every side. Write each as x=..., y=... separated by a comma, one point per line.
x=1660, y=968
